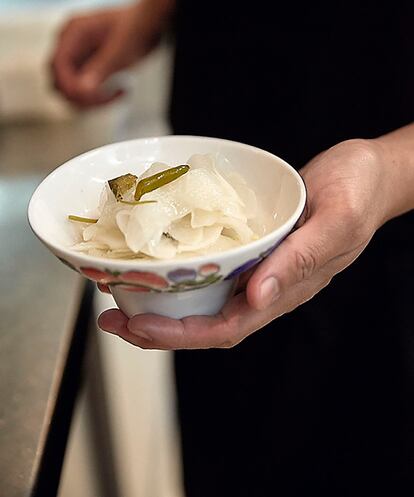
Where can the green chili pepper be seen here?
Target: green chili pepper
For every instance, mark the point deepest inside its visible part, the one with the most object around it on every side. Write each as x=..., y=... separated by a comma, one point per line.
x=119, y=186
x=82, y=219
x=162, y=178
x=139, y=202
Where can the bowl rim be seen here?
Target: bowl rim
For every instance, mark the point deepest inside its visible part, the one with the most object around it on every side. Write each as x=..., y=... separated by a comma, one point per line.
x=256, y=245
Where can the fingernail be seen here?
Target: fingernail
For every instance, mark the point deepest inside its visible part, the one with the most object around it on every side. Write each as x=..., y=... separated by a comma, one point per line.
x=269, y=291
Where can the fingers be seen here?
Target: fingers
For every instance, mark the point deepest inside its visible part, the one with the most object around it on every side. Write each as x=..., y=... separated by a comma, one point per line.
x=103, y=63
x=158, y=332
x=72, y=48
x=115, y=322
x=84, y=58
x=234, y=323
x=221, y=330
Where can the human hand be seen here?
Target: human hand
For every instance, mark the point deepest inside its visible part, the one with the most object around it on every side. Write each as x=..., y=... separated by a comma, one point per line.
x=92, y=47
x=348, y=199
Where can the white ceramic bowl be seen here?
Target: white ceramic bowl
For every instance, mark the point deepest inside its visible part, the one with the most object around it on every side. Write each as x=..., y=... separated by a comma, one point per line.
x=179, y=287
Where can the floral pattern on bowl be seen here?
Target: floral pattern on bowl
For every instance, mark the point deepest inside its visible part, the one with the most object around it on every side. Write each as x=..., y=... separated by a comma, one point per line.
x=189, y=279
x=99, y=276
x=178, y=280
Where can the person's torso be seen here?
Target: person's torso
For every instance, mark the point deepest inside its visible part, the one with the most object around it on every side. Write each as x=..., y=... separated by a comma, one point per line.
x=293, y=77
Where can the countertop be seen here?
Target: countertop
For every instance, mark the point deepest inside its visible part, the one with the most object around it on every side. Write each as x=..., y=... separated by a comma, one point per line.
x=39, y=305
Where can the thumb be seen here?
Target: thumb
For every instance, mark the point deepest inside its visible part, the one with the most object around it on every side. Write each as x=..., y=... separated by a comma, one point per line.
x=308, y=249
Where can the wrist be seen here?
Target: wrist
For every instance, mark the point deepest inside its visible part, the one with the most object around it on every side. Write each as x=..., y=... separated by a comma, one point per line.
x=397, y=164
x=370, y=157
x=385, y=186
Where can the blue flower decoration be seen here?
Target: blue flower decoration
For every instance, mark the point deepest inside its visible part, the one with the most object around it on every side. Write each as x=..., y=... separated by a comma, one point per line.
x=181, y=275
x=252, y=262
x=244, y=267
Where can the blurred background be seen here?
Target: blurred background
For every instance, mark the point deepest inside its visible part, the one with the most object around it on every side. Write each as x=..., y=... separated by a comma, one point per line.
x=38, y=132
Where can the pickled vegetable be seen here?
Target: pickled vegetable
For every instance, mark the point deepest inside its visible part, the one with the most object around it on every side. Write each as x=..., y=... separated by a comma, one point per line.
x=81, y=219
x=138, y=202
x=157, y=180
x=120, y=185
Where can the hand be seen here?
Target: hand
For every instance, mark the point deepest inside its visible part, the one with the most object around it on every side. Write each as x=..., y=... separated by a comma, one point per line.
x=347, y=201
x=92, y=47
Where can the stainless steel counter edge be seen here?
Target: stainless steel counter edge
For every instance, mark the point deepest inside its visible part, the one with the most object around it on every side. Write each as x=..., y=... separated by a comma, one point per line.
x=73, y=309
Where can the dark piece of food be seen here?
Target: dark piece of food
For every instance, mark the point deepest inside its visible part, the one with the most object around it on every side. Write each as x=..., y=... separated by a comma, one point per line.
x=162, y=178
x=82, y=219
x=119, y=186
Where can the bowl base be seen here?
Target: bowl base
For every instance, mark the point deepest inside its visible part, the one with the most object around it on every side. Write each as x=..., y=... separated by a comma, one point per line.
x=202, y=301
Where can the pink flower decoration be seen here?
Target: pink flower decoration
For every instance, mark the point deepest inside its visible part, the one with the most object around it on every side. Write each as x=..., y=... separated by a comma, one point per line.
x=144, y=278
x=97, y=275
x=208, y=269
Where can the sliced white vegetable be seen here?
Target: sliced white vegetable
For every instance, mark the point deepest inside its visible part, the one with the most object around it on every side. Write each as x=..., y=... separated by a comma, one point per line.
x=204, y=211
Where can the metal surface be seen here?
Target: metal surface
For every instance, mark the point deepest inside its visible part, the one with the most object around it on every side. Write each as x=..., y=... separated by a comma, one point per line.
x=39, y=303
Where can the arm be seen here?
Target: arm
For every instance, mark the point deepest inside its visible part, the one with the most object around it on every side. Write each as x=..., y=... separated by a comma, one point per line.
x=353, y=188
x=92, y=47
